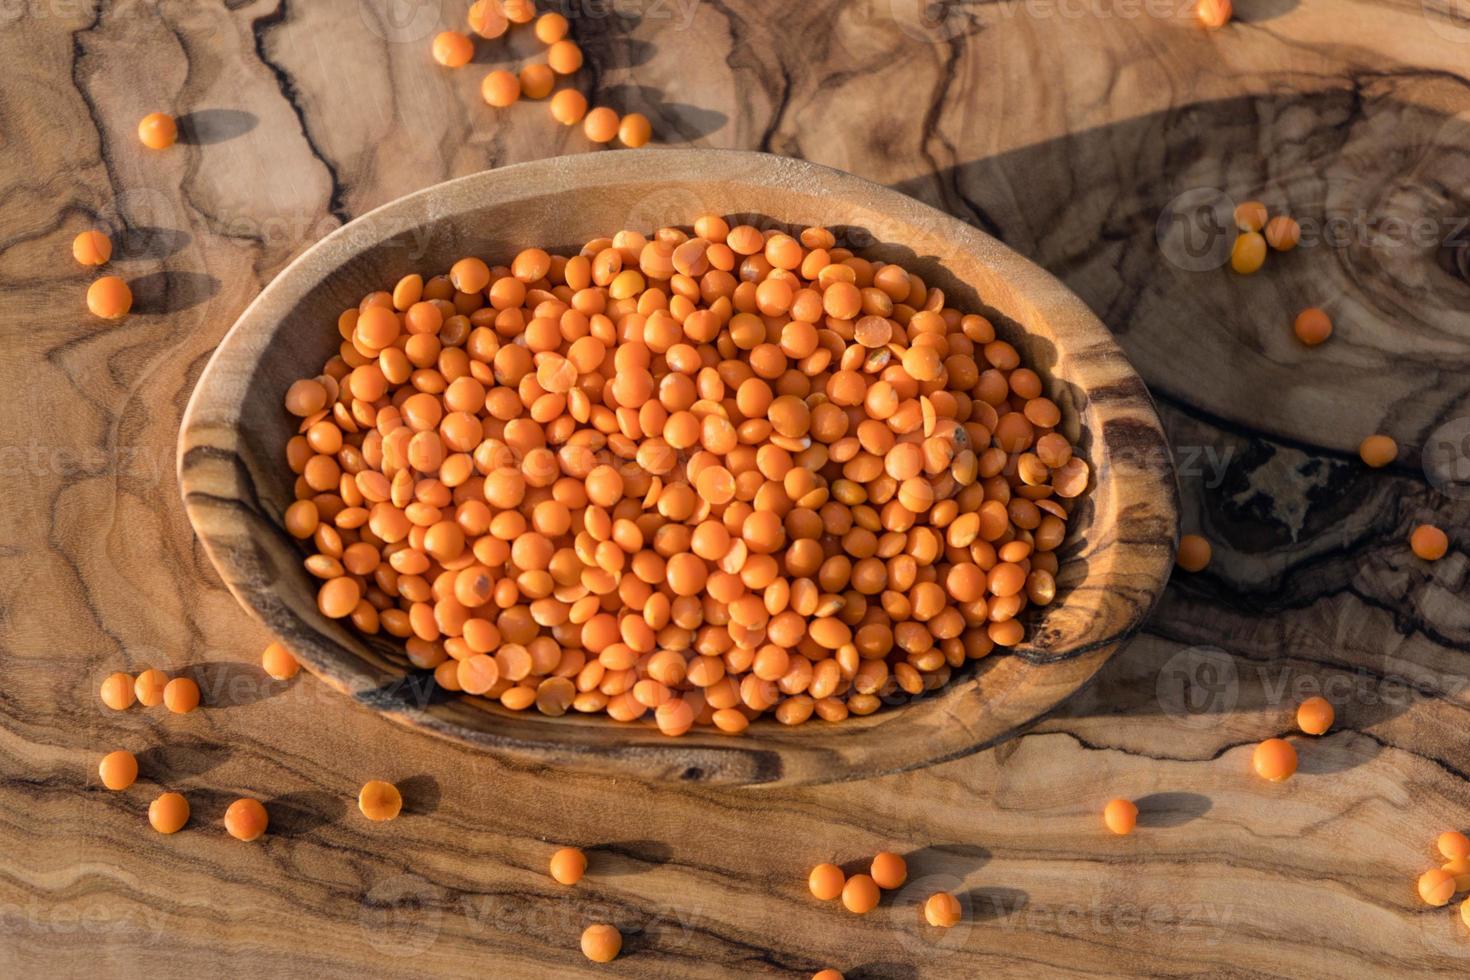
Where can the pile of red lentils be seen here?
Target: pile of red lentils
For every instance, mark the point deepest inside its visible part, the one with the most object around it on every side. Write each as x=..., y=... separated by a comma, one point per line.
x=706, y=475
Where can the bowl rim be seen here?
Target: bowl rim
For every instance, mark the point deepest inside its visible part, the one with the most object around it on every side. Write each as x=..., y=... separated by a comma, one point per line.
x=725, y=759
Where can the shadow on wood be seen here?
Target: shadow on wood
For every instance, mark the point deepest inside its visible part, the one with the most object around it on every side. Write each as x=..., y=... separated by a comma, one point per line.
x=205, y=126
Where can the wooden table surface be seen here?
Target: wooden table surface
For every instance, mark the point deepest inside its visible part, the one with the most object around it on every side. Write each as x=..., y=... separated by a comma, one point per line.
x=1074, y=130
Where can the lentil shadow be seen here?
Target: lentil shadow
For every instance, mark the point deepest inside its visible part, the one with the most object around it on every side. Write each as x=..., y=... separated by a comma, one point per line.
x=160, y=293
x=147, y=242
x=295, y=814
x=673, y=122
x=1335, y=752
x=421, y=794
x=166, y=763
x=957, y=860
x=618, y=859
x=228, y=684
x=1171, y=809
x=884, y=971
x=994, y=904
x=203, y=127
x=1260, y=11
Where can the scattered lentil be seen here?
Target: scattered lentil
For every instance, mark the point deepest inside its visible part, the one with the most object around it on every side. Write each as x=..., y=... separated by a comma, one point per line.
x=168, y=813
x=942, y=910
x=109, y=298
x=117, y=692
x=1121, y=816
x=1436, y=886
x=1194, y=553
x=246, y=819
x=1315, y=715
x=91, y=248
x=118, y=769
x=181, y=695
x=1378, y=451
x=826, y=881
x=601, y=943
x=278, y=662
x=1274, y=759
x=1312, y=326
x=158, y=130
x=1429, y=542
x=568, y=865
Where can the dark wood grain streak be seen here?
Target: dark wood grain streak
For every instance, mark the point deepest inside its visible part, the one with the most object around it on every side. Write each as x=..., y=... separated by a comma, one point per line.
x=1065, y=136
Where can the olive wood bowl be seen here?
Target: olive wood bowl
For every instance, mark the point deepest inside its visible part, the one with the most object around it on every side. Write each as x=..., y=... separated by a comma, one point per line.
x=1115, y=561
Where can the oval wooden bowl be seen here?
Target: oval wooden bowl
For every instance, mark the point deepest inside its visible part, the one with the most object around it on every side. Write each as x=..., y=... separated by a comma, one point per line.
x=235, y=483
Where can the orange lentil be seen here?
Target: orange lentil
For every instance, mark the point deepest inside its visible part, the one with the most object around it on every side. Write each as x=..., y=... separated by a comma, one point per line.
x=118, y=769
x=830, y=974
x=246, y=819
x=168, y=813
x=117, y=692
x=519, y=11
x=109, y=298
x=278, y=662
x=635, y=130
x=453, y=49
x=1274, y=759
x=568, y=106
x=500, y=88
x=1315, y=715
x=568, y=865
x=1312, y=326
x=1248, y=253
x=826, y=882
x=601, y=126
x=690, y=475
x=379, y=800
x=1214, y=14
x=158, y=130
x=889, y=870
x=860, y=894
x=149, y=687
x=1378, y=451
x=488, y=19
x=1283, y=233
x=601, y=943
x=91, y=248
x=1250, y=216
x=181, y=695
x=1120, y=816
x=564, y=57
x=942, y=910
x=1436, y=887
x=1194, y=553
x=1429, y=542
x=1453, y=845
x=551, y=28
x=537, y=81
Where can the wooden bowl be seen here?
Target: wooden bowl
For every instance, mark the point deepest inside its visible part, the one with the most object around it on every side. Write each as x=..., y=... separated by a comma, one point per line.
x=236, y=485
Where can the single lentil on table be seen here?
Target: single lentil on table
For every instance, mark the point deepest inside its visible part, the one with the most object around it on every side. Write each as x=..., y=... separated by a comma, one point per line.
x=701, y=476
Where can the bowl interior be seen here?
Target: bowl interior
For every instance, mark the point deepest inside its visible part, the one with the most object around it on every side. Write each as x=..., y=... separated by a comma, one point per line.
x=1114, y=563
